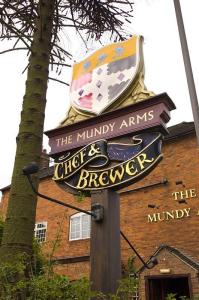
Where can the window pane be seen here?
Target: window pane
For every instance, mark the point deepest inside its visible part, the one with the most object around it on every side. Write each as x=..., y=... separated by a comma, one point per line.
x=85, y=226
x=40, y=225
x=75, y=228
x=40, y=231
x=80, y=226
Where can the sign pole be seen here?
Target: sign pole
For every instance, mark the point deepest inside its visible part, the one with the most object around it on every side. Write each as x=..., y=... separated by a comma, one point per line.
x=188, y=68
x=105, y=256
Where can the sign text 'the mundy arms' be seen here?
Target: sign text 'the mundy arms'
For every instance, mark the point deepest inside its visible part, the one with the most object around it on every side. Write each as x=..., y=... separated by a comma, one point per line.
x=153, y=113
x=106, y=129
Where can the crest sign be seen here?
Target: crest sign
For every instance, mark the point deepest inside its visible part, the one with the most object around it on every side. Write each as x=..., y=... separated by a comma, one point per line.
x=100, y=79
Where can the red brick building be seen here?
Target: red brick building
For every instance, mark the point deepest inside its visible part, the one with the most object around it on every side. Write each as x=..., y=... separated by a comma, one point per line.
x=159, y=216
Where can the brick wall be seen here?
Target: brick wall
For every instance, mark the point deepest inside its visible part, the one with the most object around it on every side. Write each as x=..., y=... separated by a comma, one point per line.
x=167, y=260
x=74, y=270
x=180, y=163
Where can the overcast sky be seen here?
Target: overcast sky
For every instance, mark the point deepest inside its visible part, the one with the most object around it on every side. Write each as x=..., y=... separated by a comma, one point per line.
x=155, y=20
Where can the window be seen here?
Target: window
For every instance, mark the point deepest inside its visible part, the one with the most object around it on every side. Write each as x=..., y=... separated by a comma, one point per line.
x=135, y=287
x=136, y=294
x=40, y=231
x=80, y=225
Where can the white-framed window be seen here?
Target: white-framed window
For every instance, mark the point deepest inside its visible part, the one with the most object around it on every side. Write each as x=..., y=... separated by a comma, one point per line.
x=40, y=231
x=80, y=226
x=135, y=290
x=136, y=295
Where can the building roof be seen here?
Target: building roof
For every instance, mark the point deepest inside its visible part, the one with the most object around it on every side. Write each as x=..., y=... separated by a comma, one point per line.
x=182, y=256
x=175, y=132
x=179, y=130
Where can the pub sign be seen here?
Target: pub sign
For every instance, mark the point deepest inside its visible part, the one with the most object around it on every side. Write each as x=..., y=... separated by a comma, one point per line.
x=113, y=145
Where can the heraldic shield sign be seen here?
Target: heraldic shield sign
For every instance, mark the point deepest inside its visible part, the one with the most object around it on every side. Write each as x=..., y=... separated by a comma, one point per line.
x=114, y=145
x=100, y=79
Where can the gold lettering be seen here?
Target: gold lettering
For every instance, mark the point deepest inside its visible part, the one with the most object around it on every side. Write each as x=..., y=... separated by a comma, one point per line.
x=93, y=150
x=170, y=215
x=82, y=154
x=142, y=160
x=152, y=218
x=56, y=171
x=67, y=167
x=175, y=194
x=179, y=213
x=116, y=173
x=130, y=167
x=159, y=216
x=82, y=183
x=187, y=211
x=192, y=193
x=184, y=194
x=75, y=161
x=165, y=216
x=92, y=179
x=103, y=180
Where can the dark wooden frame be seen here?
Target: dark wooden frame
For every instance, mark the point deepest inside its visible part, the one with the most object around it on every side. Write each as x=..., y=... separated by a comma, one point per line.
x=146, y=278
x=105, y=248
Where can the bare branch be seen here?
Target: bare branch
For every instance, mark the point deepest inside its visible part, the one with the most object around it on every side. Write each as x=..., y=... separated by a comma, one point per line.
x=60, y=64
x=13, y=49
x=16, y=31
x=54, y=79
x=90, y=19
x=25, y=69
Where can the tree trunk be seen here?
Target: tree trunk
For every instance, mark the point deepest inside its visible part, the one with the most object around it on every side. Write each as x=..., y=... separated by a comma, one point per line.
x=20, y=219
